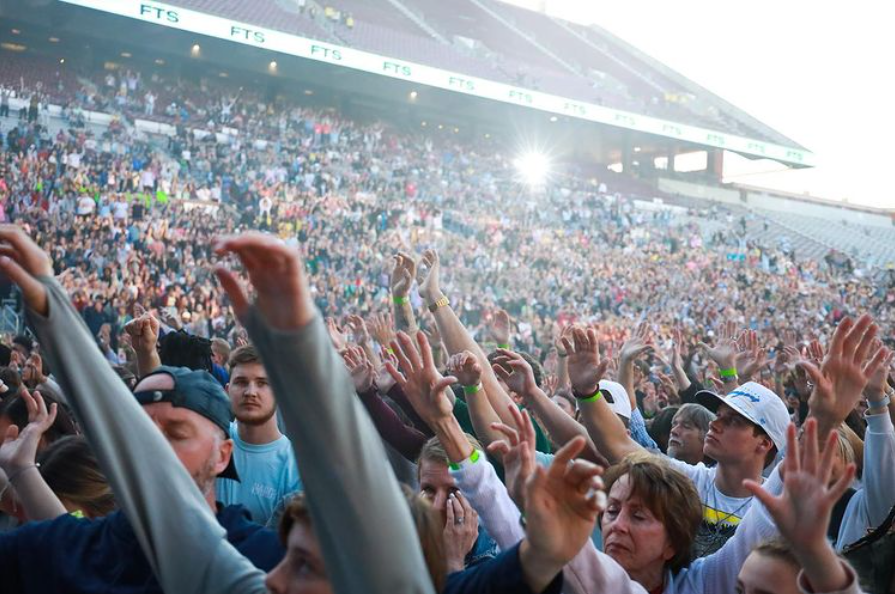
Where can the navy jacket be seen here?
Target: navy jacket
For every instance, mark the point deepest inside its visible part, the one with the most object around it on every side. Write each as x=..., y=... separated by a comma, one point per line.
x=500, y=575
x=75, y=555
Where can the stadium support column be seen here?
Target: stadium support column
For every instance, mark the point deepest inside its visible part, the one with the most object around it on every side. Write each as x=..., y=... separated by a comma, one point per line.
x=627, y=156
x=715, y=164
x=672, y=153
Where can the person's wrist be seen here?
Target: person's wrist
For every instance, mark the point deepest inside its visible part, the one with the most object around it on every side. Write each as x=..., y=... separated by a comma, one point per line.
x=430, y=297
x=538, y=567
x=452, y=438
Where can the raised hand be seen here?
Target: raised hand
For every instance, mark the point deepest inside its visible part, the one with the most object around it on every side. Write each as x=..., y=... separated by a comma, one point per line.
x=840, y=381
x=23, y=261
x=143, y=330
x=429, y=276
x=802, y=511
x=499, y=326
x=586, y=369
x=384, y=380
x=517, y=452
x=725, y=349
x=276, y=271
x=466, y=368
x=750, y=357
x=336, y=334
x=402, y=274
x=640, y=342
x=361, y=370
x=561, y=506
x=382, y=328
x=424, y=386
x=33, y=374
x=877, y=383
x=358, y=329
x=551, y=385
x=20, y=448
x=515, y=371
x=461, y=529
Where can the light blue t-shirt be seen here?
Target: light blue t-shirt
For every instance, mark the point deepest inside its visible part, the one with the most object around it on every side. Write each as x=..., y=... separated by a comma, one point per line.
x=268, y=474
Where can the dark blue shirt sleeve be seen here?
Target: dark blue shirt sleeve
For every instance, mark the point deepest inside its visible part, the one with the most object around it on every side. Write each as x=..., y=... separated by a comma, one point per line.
x=499, y=575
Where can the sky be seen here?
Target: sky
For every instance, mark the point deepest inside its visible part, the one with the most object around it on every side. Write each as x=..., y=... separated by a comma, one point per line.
x=817, y=71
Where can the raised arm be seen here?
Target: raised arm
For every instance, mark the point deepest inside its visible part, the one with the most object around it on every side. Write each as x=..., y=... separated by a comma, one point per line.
x=802, y=512
x=401, y=281
x=519, y=376
x=840, y=380
x=454, y=335
x=144, y=331
x=635, y=347
x=329, y=428
x=170, y=518
x=585, y=371
x=17, y=460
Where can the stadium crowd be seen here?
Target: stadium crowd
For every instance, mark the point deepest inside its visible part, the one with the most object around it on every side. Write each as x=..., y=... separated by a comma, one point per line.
x=601, y=398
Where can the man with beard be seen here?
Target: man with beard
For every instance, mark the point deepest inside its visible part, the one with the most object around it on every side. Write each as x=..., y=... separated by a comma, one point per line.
x=264, y=456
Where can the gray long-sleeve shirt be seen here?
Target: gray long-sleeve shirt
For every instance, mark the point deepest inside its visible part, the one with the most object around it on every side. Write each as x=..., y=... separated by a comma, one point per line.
x=365, y=529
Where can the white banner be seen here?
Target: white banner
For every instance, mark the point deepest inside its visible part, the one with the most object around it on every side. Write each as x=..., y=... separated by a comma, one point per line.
x=213, y=26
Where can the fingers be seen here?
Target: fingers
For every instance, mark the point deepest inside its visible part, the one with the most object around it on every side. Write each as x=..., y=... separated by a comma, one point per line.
x=398, y=351
x=33, y=291
x=882, y=357
x=443, y=384
x=813, y=372
x=234, y=289
x=12, y=434
x=839, y=488
x=396, y=375
x=499, y=449
x=450, y=516
x=839, y=336
x=425, y=350
x=772, y=503
x=792, y=461
x=511, y=433
x=826, y=461
x=565, y=455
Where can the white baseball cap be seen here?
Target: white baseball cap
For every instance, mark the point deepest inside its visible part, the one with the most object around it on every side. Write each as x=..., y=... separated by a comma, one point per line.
x=758, y=404
x=618, y=398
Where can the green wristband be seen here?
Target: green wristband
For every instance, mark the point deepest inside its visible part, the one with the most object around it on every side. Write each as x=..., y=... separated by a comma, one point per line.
x=597, y=395
x=469, y=390
x=401, y=300
x=732, y=372
x=466, y=463
x=505, y=347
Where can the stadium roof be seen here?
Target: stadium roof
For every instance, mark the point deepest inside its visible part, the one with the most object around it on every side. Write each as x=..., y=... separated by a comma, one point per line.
x=341, y=56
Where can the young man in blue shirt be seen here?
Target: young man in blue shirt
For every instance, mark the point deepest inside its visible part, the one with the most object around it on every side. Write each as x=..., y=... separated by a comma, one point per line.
x=267, y=468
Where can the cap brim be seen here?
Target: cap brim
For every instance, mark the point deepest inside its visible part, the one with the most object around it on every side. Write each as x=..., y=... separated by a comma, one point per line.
x=709, y=399
x=713, y=401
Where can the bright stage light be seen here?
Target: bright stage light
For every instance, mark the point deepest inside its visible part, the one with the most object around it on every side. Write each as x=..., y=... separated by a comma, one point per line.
x=533, y=168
